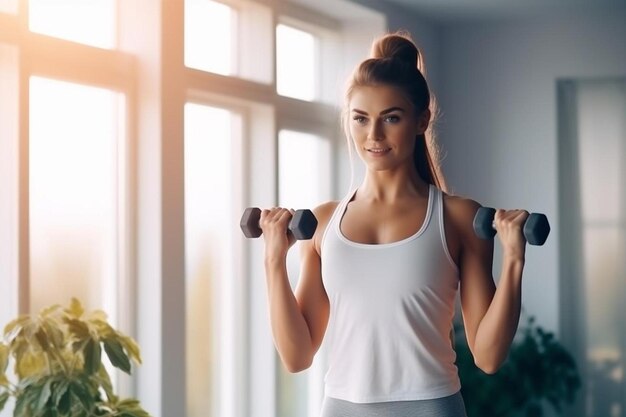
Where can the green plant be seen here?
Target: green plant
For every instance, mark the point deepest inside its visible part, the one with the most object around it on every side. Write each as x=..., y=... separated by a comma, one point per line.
x=57, y=357
x=538, y=369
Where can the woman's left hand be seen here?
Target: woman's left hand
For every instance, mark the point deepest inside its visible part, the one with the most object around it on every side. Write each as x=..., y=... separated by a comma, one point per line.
x=510, y=224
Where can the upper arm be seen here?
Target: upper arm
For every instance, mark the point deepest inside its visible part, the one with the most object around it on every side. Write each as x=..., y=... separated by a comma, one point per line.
x=310, y=292
x=477, y=287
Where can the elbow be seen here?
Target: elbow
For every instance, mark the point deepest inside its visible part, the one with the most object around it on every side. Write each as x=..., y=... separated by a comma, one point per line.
x=488, y=367
x=296, y=365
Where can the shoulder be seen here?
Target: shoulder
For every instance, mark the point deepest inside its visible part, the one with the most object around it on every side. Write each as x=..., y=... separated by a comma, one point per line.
x=323, y=213
x=460, y=206
x=460, y=211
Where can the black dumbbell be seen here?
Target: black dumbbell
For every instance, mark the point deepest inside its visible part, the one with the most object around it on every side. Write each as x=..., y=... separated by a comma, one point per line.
x=536, y=229
x=302, y=224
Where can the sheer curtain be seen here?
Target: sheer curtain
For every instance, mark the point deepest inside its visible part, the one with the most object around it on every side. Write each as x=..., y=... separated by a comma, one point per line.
x=592, y=195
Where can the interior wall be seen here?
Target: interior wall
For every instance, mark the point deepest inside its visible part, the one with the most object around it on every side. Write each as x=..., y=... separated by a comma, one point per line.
x=500, y=120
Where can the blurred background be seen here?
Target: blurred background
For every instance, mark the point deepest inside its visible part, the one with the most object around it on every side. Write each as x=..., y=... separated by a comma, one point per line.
x=134, y=133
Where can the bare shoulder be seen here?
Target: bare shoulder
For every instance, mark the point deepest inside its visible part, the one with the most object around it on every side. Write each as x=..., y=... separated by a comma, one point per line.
x=461, y=207
x=323, y=213
x=460, y=211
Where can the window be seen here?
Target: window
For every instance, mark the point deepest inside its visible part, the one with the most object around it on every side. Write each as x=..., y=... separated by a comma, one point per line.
x=209, y=40
x=212, y=324
x=304, y=182
x=74, y=194
x=8, y=6
x=131, y=140
x=8, y=182
x=91, y=22
x=296, y=62
x=592, y=154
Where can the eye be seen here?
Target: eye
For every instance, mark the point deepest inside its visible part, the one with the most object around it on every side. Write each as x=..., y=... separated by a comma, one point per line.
x=392, y=118
x=359, y=119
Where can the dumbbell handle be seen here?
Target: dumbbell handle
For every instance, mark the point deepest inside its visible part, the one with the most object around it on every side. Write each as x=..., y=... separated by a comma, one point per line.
x=536, y=228
x=302, y=224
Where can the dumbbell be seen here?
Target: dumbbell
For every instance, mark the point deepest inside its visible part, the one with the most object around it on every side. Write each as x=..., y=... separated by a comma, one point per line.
x=536, y=229
x=302, y=225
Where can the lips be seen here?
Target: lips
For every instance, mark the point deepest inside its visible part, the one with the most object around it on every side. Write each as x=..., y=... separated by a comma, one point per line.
x=379, y=151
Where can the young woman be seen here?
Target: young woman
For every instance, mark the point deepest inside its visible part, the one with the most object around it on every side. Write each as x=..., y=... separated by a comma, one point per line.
x=380, y=276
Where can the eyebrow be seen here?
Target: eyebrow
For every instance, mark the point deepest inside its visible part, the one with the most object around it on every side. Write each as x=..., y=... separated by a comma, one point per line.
x=389, y=110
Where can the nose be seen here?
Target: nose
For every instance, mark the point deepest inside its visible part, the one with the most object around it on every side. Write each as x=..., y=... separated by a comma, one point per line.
x=375, y=133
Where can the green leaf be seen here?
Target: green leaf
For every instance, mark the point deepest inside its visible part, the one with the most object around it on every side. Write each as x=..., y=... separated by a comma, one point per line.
x=65, y=401
x=92, y=354
x=83, y=394
x=131, y=347
x=76, y=309
x=42, y=339
x=11, y=329
x=116, y=354
x=44, y=395
x=59, y=391
x=55, y=334
x=4, y=397
x=77, y=328
x=4, y=358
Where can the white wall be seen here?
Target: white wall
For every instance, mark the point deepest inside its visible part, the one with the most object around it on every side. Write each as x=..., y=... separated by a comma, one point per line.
x=499, y=125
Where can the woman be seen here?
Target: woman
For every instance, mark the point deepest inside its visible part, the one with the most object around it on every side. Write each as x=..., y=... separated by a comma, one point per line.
x=381, y=273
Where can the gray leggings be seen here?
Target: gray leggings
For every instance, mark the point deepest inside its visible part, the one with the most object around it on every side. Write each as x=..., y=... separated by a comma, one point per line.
x=451, y=406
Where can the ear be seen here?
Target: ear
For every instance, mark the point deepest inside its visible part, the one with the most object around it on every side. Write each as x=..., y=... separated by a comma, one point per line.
x=422, y=122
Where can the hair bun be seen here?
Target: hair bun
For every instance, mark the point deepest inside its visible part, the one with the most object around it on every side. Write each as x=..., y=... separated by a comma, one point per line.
x=398, y=45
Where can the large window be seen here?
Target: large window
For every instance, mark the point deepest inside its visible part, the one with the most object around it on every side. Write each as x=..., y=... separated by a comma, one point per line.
x=92, y=22
x=133, y=134
x=75, y=138
x=213, y=351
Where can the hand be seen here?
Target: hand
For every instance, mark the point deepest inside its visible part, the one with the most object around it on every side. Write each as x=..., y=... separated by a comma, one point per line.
x=510, y=224
x=278, y=239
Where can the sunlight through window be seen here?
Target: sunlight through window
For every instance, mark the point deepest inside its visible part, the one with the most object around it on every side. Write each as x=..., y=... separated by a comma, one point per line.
x=295, y=63
x=8, y=6
x=91, y=22
x=208, y=259
x=303, y=183
x=209, y=29
x=74, y=139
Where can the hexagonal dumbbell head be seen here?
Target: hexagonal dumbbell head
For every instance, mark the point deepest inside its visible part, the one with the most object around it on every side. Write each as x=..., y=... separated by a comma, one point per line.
x=303, y=224
x=250, y=222
x=483, y=222
x=536, y=229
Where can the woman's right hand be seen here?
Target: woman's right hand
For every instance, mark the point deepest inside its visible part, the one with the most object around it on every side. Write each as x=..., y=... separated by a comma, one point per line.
x=278, y=239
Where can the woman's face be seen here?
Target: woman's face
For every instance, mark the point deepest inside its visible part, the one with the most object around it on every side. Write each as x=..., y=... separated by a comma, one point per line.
x=383, y=126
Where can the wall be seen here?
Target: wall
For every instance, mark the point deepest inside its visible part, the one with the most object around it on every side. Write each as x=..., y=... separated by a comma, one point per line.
x=499, y=125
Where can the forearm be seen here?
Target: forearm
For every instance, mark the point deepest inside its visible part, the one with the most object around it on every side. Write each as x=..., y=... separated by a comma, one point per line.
x=499, y=325
x=291, y=333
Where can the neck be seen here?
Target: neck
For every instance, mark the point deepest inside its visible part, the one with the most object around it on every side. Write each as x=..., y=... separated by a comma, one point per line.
x=389, y=186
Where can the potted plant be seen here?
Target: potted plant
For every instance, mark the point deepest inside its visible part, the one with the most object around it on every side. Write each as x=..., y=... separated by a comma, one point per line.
x=537, y=369
x=58, y=364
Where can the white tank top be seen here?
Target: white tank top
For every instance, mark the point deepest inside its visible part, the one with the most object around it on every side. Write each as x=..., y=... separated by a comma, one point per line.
x=391, y=311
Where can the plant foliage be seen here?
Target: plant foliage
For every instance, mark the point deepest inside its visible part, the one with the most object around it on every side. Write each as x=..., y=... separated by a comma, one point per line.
x=537, y=369
x=57, y=356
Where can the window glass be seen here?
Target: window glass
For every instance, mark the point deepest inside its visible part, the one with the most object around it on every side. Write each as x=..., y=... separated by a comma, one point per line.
x=295, y=63
x=9, y=81
x=209, y=27
x=304, y=183
x=209, y=221
x=74, y=194
x=8, y=6
x=91, y=22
